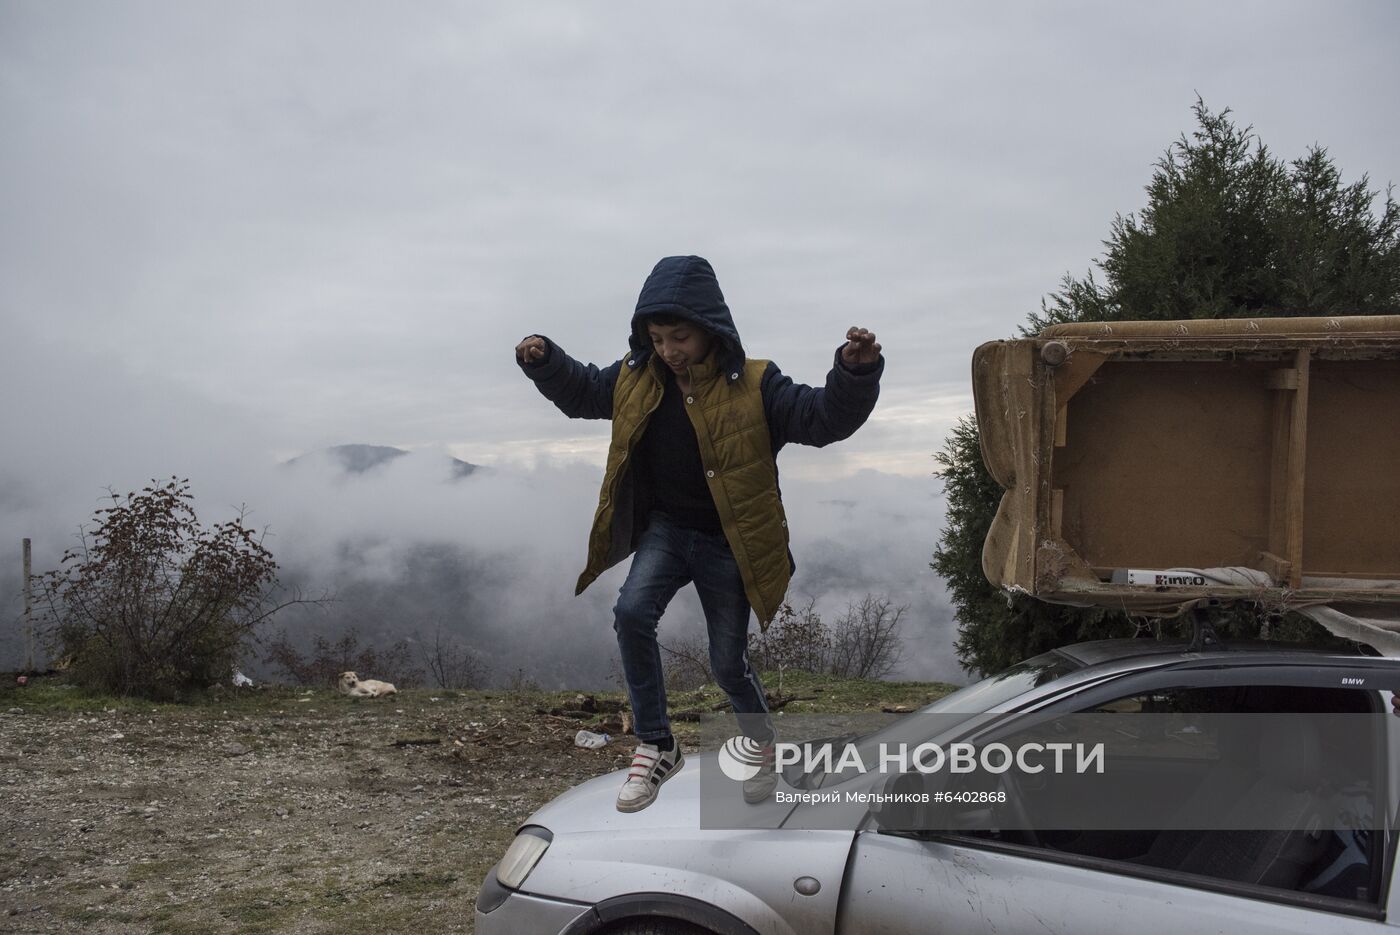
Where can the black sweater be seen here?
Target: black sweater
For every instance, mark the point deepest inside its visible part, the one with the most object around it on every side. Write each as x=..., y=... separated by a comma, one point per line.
x=667, y=462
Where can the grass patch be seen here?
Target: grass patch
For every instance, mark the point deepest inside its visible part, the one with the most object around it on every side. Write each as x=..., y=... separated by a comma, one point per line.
x=416, y=883
x=844, y=696
x=55, y=694
x=144, y=871
x=260, y=909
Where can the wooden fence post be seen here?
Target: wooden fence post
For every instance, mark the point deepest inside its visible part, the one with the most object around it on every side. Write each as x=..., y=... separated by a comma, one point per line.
x=28, y=619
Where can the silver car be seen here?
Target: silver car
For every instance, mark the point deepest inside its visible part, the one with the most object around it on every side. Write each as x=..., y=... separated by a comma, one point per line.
x=579, y=866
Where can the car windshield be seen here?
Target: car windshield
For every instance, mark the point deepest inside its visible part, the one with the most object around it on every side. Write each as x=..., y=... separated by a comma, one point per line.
x=983, y=696
x=963, y=704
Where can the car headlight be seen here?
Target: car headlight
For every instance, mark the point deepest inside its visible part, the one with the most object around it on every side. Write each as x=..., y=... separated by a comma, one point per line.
x=524, y=852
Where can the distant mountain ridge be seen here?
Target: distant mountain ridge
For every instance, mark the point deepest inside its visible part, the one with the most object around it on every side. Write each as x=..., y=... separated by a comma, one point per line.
x=357, y=459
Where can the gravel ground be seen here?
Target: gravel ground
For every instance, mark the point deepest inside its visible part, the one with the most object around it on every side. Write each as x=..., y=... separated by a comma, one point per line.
x=280, y=810
x=272, y=811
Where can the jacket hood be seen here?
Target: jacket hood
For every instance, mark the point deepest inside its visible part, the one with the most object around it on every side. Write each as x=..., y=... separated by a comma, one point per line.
x=685, y=286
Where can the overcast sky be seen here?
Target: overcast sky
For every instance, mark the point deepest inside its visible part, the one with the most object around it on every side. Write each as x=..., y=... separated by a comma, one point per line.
x=232, y=233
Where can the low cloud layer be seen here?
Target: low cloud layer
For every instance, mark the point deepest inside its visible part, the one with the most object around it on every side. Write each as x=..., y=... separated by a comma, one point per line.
x=491, y=560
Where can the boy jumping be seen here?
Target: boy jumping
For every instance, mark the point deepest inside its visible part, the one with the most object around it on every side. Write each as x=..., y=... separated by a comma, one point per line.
x=691, y=487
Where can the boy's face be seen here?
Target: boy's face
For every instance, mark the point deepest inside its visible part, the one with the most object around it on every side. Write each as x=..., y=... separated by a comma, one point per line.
x=680, y=345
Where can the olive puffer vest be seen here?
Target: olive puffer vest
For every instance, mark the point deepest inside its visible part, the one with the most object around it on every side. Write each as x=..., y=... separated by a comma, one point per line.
x=737, y=457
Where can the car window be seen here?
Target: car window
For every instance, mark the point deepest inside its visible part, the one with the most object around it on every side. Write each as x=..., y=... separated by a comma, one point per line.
x=1331, y=853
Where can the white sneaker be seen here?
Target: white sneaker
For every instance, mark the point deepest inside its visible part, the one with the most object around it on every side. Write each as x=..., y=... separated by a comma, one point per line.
x=651, y=766
x=759, y=788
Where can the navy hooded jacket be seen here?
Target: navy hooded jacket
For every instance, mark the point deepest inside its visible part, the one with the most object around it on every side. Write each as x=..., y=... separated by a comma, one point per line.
x=686, y=287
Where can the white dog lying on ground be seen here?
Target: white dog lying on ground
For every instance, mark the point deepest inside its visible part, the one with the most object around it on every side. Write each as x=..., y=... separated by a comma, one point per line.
x=352, y=685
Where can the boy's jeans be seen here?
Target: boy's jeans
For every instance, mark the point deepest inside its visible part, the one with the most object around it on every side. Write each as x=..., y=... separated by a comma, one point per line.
x=667, y=557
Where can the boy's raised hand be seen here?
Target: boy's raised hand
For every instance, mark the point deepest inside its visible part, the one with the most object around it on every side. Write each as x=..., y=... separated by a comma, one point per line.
x=860, y=347
x=531, y=349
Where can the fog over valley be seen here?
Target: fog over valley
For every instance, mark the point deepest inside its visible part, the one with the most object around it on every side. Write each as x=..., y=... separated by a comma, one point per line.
x=410, y=544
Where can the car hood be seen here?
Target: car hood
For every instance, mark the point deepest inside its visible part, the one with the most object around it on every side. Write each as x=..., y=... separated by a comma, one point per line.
x=598, y=853
x=591, y=806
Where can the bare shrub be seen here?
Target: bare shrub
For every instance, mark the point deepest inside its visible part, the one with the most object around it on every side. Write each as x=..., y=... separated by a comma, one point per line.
x=865, y=642
x=322, y=665
x=451, y=665
x=520, y=682
x=685, y=663
x=796, y=639
x=153, y=603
